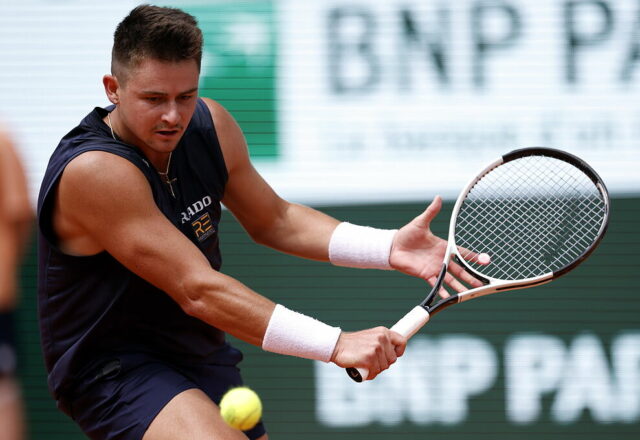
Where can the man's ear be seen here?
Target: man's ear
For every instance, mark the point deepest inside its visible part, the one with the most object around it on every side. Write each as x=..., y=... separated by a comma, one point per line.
x=111, y=88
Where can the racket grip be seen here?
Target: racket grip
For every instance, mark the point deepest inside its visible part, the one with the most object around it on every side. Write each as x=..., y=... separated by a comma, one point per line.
x=407, y=327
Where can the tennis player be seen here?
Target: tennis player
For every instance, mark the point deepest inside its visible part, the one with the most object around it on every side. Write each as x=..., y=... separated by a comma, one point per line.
x=133, y=307
x=16, y=216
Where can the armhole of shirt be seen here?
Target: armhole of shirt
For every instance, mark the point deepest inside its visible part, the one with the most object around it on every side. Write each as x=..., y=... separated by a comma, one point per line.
x=209, y=124
x=44, y=214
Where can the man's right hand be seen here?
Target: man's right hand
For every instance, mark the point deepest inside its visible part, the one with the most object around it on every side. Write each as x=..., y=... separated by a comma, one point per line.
x=375, y=349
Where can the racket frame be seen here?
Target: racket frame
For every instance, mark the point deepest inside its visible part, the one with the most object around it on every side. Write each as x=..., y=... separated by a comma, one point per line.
x=420, y=315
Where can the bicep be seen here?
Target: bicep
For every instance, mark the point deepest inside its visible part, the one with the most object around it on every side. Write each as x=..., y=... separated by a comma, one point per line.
x=253, y=202
x=247, y=195
x=111, y=201
x=269, y=219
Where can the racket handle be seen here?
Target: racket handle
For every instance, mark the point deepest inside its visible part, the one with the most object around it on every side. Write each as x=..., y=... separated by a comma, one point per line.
x=407, y=327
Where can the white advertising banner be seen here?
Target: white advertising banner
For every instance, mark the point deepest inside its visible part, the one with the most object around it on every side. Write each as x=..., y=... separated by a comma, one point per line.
x=370, y=101
x=392, y=100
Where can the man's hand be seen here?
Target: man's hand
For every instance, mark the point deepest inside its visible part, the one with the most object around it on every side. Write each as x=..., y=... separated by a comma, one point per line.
x=417, y=252
x=375, y=349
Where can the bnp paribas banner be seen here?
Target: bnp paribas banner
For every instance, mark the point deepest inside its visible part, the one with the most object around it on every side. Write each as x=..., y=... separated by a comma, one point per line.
x=535, y=378
x=397, y=100
x=366, y=100
x=559, y=361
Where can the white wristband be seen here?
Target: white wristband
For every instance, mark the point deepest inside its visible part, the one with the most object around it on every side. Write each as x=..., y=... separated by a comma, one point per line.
x=295, y=334
x=361, y=246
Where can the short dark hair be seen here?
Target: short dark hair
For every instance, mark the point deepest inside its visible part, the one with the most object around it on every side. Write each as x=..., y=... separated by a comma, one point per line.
x=165, y=34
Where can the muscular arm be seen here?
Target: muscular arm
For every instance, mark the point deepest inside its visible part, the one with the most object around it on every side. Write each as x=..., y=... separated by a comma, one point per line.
x=305, y=232
x=270, y=220
x=105, y=203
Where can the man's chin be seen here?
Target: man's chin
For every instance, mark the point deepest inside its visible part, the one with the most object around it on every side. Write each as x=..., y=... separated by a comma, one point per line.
x=165, y=145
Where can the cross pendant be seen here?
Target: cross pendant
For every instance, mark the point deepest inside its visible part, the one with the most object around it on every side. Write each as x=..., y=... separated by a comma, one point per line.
x=170, y=182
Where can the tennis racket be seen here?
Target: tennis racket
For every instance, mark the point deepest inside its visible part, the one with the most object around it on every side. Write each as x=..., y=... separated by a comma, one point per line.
x=536, y=213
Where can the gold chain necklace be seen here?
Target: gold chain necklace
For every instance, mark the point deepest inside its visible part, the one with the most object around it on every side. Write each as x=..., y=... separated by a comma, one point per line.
x=164, y=175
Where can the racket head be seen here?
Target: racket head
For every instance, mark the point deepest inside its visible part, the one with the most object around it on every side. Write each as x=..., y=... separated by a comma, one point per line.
x=538, y=212
x=571, y=206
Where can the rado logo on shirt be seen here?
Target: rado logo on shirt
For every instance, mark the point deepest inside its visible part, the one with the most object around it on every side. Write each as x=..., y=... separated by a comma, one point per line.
x=195, y=208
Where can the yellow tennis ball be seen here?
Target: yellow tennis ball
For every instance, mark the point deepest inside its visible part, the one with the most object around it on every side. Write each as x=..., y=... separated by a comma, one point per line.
x=241, y=408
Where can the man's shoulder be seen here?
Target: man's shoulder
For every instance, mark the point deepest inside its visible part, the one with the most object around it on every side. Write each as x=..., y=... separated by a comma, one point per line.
x=212, y=111
x=98, y=166
x=211, y=104
x=203, y=115
x=92, y=171
x=90, y=140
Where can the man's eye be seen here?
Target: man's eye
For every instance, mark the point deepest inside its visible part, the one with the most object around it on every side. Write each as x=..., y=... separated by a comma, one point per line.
x=152, y=99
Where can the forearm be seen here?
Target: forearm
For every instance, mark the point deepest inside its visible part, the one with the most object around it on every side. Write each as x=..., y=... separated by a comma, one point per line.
x=227, y=304
x=299, y=230
x=308, y=233
x=234, y=308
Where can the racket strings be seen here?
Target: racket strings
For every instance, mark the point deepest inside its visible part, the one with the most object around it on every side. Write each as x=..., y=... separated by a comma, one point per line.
x=532, y=215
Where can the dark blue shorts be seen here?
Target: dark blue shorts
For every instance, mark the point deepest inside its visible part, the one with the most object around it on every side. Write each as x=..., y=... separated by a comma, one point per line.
x=121, y=397
x=8, y=357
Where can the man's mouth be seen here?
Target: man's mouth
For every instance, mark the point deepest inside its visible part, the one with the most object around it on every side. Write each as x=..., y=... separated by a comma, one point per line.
x=167, y=133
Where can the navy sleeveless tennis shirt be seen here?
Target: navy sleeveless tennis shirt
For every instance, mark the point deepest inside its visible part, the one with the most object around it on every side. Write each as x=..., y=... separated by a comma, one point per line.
x=92, y=307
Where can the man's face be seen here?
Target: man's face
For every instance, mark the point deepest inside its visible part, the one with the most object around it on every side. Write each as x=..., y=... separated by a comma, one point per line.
x=156, y=102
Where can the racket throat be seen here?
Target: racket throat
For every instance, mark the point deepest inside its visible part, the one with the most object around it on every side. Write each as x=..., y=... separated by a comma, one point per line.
x=436, y=287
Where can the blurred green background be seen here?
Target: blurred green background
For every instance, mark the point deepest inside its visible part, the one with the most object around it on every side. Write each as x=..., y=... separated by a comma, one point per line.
x=599, y=301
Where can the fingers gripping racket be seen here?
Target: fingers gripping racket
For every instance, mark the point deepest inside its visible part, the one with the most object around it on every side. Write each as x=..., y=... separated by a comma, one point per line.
x=536, y=212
